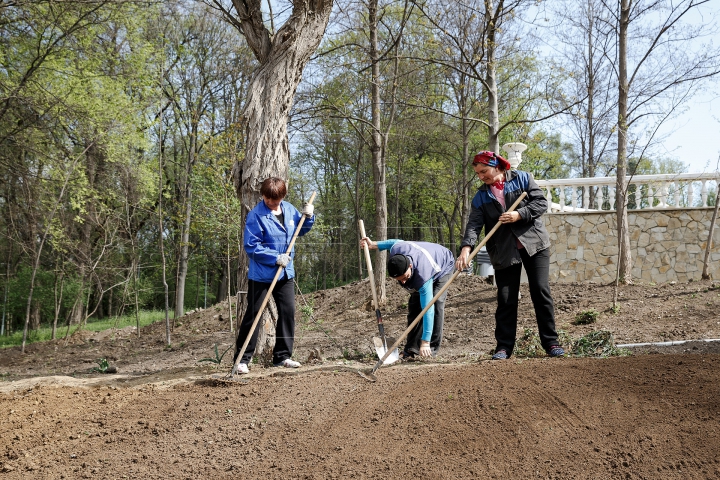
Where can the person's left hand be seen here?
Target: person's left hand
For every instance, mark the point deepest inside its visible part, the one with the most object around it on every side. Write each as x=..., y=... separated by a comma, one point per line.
x=425, y=349
x=283, y=259
x=509, y=217
x=308, y=210
x=365, y=241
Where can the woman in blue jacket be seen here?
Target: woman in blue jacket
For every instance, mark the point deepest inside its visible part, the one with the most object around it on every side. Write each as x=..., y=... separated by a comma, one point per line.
x=522, y=240
x=269, y=228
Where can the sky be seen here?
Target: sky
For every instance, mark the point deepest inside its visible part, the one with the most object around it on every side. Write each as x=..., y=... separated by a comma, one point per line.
x=694, y=137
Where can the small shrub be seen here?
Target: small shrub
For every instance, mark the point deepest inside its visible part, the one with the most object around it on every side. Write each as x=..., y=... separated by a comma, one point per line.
x=218, y=357
x=586, y=317
x=102, y=367
x=306, y=312
x=599, y=343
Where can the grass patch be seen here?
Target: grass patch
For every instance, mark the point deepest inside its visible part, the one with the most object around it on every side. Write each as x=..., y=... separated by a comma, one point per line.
x=44, y=333
x=599, y=343
x=586, y=317
x=529, y=344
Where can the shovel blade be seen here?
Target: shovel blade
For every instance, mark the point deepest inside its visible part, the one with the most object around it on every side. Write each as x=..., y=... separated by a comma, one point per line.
x=381, y=350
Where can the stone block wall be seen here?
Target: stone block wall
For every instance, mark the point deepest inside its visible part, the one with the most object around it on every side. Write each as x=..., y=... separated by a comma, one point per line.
x=667, y=245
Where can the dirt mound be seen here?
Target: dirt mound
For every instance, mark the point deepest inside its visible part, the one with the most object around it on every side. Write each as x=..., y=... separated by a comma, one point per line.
x=459, y=415
x=627, y=417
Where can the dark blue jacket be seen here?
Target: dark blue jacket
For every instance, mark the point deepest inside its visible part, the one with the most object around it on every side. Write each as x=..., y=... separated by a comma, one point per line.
x=264, y=239
x=486, y=211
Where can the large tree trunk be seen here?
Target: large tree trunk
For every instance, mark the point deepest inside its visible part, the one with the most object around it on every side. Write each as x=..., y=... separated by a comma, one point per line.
x=282, y=59
x=624, y=259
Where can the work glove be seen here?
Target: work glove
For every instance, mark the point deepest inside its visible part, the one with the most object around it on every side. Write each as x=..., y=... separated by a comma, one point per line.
x=308, y=210
x=283, y=259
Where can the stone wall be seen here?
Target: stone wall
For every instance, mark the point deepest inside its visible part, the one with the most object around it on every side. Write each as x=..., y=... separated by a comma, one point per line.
x=667, y=245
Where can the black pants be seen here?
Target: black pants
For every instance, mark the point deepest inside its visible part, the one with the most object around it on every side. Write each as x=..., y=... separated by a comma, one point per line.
x=284, y=295
x=412, y=345
x=508, y=284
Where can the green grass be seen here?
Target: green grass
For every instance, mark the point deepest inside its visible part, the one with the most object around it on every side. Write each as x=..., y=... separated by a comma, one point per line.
x=45, y=331
x=599, y=343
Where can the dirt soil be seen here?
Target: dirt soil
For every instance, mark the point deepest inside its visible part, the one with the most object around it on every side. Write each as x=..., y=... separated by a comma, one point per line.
x=654, y=413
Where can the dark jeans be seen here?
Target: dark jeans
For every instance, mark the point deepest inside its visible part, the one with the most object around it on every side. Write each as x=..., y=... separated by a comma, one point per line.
x=284, y=295
x=508, y=285
x=412, y=345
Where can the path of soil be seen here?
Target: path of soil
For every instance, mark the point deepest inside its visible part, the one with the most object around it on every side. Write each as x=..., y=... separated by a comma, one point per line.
x=653, y=414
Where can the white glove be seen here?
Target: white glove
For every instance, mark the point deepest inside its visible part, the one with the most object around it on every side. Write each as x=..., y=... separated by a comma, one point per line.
x=283, y=259
x=308, y=210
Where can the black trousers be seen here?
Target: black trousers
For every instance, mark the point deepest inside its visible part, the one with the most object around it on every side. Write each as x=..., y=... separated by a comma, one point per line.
x=412, y=344
x=508, y=285
x=284, y=295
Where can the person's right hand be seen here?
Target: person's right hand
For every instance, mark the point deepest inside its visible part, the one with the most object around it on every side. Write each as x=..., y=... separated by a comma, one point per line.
x=462, y=261
x=366, y=241
x=283, y=259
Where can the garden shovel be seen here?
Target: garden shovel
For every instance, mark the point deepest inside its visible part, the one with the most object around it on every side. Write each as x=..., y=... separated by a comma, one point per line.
x=381, y=342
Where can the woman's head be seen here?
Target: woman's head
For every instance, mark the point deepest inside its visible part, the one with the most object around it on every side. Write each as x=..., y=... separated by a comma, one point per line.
x=490, y=167
x=273, y=190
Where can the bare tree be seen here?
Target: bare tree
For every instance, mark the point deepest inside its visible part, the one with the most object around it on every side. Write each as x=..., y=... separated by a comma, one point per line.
x=657, y=69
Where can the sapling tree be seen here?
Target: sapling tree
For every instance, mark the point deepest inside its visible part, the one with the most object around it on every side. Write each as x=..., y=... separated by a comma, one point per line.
x=662, y=59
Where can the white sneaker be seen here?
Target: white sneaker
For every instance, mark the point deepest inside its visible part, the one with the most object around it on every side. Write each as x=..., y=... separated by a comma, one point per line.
x=242, y=368
x=288, y=363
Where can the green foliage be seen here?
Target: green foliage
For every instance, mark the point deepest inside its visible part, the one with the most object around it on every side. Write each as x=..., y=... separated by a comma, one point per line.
x=44, y=332
x=102, y=367
x=528, y=345
x=43, y=294
x=306, y=312
x=599, y=343
x=217, y=360
x=586, y=317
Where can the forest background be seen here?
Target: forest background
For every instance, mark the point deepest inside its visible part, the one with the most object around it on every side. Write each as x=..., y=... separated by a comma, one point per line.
x=120, y=123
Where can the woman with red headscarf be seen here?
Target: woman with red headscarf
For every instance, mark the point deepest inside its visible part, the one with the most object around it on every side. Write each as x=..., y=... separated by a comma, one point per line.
x=521, y=240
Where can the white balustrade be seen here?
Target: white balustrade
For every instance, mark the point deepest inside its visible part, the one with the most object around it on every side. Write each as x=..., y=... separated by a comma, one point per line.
x=670, y=191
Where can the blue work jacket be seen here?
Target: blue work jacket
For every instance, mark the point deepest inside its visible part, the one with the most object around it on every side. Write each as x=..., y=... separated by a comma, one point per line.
x=264, y=239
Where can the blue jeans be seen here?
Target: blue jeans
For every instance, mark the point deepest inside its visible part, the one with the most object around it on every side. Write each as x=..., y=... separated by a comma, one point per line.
x=507, y=279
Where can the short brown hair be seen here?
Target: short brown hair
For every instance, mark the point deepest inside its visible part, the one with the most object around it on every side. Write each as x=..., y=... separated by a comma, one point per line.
x=273, y=188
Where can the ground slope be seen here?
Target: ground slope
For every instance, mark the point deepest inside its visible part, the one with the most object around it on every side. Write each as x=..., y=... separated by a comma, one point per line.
x=648, y=415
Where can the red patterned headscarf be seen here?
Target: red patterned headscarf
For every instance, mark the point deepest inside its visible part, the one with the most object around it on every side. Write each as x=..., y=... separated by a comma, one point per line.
x=491, y=159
